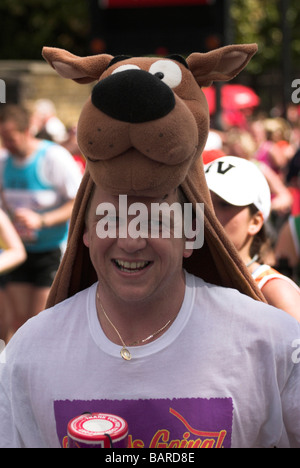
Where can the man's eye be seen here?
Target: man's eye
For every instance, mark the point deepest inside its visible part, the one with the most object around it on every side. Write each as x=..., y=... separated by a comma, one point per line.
x=109, y=220
x=113, y=219
x=155, y=223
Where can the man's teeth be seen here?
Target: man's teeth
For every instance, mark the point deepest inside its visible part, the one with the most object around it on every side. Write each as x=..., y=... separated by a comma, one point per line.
x=130, y=266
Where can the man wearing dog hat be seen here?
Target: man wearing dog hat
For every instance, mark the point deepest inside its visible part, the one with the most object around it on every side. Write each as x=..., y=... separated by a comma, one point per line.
x=174, y=338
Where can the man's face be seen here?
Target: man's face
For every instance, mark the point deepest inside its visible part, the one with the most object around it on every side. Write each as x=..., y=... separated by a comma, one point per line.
x=12, y=139
x=134, y=269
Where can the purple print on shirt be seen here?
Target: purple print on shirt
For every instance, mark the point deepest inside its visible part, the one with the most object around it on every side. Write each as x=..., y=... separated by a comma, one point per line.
x=159, y=423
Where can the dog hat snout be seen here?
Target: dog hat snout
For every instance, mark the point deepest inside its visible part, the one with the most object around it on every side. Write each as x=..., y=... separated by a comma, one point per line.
x=133, y=96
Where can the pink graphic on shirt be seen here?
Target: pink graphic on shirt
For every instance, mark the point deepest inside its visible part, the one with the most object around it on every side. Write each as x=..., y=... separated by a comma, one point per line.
x=160, y=423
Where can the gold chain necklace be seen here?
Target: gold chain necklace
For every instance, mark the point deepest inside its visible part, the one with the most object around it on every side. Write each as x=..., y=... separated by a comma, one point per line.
x=125, y=353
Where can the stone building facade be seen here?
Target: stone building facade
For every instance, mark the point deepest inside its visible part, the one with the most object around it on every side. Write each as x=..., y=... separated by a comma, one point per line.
x=27, y=81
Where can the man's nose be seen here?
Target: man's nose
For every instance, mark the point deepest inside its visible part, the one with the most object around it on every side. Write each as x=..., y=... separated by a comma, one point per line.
x=130, y=244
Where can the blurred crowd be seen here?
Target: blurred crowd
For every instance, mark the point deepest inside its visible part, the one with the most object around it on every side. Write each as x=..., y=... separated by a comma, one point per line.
x=40, y=172
x=28, y=262
x=273, y=144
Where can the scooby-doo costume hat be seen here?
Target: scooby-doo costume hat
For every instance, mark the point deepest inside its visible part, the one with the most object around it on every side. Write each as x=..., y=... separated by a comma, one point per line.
x=142, y=132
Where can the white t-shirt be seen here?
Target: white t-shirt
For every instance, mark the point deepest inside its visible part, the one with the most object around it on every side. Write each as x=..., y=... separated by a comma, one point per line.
x=225, y=374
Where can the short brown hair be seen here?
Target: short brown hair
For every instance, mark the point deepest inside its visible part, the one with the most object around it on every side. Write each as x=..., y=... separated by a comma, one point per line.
x=18, y=114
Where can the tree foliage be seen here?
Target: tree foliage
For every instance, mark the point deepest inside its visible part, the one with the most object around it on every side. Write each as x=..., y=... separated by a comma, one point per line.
x=27, y=25
x=261, y=21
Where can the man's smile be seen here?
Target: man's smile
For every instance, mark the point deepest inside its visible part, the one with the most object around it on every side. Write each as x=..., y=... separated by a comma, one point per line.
x=131, y=267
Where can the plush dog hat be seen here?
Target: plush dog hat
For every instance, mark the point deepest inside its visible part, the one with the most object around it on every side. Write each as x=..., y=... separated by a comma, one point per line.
x=142, y=132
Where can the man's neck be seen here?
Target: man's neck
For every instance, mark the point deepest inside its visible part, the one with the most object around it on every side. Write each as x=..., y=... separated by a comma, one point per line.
x=29, y=148
x=137, y=321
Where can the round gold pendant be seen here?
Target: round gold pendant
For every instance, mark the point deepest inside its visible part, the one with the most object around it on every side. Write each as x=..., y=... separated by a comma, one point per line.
x=125, y=354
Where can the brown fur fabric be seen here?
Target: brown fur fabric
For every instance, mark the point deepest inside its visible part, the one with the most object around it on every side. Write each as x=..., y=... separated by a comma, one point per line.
x=142, y=132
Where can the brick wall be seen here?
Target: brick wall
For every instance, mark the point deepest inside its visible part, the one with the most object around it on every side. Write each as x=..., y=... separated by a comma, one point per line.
x=28, y=81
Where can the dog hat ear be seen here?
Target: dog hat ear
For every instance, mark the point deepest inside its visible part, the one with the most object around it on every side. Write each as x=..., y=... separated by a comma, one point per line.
x=80, y=69
x=221, y=64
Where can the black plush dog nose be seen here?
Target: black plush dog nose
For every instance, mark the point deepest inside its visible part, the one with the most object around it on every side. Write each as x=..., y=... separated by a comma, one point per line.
x=133, y=96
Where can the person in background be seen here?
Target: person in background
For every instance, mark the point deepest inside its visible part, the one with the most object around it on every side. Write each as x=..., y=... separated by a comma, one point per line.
x=12, y=254
x=293, y=182
x=12, y=250
x=46, y=124
x=242, y=203
x=72, y=146
x=213, y=148
x=287, y=249
x=40, y=180
x=275, y=150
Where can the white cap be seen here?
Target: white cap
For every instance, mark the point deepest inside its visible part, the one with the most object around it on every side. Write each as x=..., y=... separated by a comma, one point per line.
x=239, y=182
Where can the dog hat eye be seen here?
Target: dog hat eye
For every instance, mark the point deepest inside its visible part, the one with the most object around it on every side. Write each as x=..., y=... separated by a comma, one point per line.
x=167, y=71
x=125, y=67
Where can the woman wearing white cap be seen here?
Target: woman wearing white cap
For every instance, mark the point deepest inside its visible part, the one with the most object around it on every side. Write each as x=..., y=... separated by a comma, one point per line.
x=242, y=202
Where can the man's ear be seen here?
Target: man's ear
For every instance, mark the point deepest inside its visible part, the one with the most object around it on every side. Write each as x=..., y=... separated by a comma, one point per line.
x=187, y=253
x=221, y=64
x=85, y=237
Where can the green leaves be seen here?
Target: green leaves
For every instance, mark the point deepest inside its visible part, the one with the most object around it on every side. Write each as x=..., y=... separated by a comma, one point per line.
x=27, y=25
x=260, y=21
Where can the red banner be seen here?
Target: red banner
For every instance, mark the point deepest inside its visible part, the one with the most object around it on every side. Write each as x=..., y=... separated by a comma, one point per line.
x=150, y=3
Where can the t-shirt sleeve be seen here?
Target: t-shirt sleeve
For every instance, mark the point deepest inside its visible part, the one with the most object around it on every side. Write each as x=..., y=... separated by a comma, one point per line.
x=60, y=170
